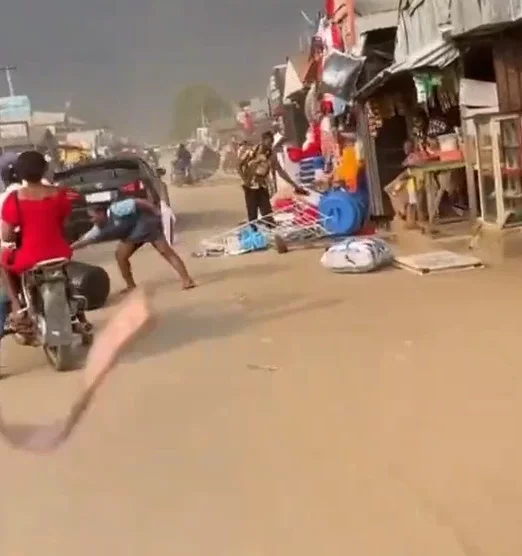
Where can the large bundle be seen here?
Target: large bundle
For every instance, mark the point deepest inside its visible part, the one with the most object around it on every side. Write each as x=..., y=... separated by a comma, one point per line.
x=91, y=281
x=356, y=255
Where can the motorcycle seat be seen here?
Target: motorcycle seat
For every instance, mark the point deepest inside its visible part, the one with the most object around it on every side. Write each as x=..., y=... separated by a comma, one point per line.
x=50, y=262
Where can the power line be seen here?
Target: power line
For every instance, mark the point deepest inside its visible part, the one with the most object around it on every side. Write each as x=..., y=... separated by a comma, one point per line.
x=7, y=70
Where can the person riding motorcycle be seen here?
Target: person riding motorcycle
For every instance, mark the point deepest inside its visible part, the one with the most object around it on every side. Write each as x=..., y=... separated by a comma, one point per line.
x=10, y=182
x=39, y=211
x=183, y=163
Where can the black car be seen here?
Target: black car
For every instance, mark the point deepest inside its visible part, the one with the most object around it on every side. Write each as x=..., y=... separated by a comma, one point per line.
x=103, y=182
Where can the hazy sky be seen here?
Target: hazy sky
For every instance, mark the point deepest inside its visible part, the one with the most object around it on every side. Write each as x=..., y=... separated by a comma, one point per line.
x=123, y=60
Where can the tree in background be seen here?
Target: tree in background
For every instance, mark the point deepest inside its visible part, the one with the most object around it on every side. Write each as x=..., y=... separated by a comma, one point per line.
x=194, y=104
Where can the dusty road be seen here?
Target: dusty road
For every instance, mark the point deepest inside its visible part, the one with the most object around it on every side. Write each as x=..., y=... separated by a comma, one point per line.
x=391, y=426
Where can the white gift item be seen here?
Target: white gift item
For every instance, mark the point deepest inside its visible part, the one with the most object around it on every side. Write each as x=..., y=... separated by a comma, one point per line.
x=357, y=255
x=313, y=198
x=168, y=220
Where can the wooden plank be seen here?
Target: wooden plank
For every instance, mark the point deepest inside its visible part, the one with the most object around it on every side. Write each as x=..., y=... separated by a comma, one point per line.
x=437, y=261
x=501, y=76
x=515, y=100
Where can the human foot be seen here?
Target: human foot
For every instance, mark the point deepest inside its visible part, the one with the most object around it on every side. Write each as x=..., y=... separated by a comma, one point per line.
x=188, y=284
x=126, y=290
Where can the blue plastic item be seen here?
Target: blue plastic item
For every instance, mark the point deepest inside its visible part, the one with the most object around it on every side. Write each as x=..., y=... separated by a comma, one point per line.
x=344, y=212
x=252, y=240
x=318, y=162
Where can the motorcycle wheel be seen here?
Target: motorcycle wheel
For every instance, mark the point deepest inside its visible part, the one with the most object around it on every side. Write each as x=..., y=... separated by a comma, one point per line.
x=60, y=357
x=87, y=339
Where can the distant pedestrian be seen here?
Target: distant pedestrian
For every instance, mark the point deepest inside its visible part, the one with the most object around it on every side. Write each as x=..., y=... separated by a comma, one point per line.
x=256, y=163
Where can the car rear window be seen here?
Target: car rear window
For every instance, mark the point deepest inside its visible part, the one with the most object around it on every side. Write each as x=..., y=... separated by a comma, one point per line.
x=112, y=177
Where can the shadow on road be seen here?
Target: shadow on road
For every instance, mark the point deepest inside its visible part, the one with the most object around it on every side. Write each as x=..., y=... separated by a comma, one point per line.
x=215, y=276
x=208, y=220
x=179, y=327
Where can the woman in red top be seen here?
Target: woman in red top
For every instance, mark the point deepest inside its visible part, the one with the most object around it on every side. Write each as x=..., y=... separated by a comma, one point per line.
x=40, y=211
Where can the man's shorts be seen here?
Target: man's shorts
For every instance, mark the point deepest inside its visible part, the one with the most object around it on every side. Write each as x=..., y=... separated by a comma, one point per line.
x=148, y=229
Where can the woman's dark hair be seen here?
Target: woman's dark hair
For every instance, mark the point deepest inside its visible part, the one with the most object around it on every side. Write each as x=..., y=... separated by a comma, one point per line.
x=31, y=166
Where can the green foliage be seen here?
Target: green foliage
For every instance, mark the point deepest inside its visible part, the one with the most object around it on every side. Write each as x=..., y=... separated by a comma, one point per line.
x=191, y=104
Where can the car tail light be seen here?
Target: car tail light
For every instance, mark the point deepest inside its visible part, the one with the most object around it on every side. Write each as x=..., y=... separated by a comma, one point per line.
x=133, y=187
x=73, y=195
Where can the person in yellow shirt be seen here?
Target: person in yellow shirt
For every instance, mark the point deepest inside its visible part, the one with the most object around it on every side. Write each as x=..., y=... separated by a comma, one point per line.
x=349, y=163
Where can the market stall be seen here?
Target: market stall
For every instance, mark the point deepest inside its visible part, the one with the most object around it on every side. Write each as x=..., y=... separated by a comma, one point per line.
x=415, y=124
x=497, y=160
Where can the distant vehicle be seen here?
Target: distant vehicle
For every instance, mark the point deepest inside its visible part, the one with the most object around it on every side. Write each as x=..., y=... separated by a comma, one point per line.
x=102, y=182
x=180, y=174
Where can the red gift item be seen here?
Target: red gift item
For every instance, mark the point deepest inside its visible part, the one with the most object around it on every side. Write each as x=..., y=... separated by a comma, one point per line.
x=327, y=107
x=329, y=7
x=303, y=216
x=337, y=37
x=295, y=154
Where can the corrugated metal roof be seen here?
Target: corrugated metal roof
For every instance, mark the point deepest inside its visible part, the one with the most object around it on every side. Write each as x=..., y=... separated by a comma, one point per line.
x=469, y=17
x=379, y=20
x=436, y=55
x=368, y=7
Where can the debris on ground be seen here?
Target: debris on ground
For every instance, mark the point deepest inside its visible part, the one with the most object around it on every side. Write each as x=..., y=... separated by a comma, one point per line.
x=268, y=368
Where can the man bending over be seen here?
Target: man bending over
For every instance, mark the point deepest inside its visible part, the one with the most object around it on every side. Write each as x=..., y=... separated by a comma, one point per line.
x=133, y=222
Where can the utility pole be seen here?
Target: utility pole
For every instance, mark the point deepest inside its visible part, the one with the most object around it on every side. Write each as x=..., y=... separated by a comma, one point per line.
x=7, y=70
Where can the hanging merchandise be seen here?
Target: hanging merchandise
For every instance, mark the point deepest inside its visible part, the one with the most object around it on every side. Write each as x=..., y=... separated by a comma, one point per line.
x=317, y=47
x=372, y=128
x=426, y=86
x=329, y=146
x=444, y=100
x=330, y=34
x=340, y=74
x=339, y=106
x=447, y=96
x=324, y=34
x=329, y=8
x=387, y=107
x=312, y=106
x=400, y=105
x=340, y=11
x=422, y=94
x=337, y=37
x=437, y=126
x=309, y=168
x=311, y=147
x=419, y=127
x=374, y=117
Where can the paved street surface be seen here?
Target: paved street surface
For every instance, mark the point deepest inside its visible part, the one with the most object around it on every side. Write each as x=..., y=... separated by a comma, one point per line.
x=390, y=427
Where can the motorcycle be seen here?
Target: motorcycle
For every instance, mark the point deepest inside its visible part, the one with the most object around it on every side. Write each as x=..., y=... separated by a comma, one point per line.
x=53, y=314
x=181, y=174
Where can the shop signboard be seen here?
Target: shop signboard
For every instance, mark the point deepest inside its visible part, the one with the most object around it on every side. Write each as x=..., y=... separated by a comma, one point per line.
x=15, y=115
